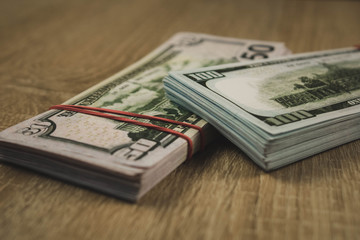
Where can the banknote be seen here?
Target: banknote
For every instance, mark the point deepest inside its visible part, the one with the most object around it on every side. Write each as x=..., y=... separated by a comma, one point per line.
x=123, y=148
x=281, y=94
x=273, y=109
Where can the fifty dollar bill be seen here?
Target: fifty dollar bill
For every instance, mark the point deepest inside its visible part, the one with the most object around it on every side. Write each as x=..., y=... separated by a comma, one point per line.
x=118, y=148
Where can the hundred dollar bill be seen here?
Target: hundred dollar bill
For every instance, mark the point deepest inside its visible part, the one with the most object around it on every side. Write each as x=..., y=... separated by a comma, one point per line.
x=274, y=108
x=123, y=149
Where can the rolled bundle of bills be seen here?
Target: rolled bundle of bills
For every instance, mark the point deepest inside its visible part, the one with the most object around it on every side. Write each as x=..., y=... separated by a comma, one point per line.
x=281, y=110
x=116, y=157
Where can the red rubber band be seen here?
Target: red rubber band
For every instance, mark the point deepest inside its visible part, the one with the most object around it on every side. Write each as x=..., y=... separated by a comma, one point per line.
x=98, y=112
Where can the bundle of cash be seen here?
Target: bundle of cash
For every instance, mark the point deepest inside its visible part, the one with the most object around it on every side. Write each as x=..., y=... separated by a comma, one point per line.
x=281, y=110
x=120, y=158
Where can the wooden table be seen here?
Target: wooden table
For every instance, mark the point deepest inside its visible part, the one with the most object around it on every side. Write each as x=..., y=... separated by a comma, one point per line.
x=52, y=50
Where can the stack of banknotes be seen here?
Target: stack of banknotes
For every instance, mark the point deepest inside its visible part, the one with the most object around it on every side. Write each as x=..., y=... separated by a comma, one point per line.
x=280, y=110
x=120, y=158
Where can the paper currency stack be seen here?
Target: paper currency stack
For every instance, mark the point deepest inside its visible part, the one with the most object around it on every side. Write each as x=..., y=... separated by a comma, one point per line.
x=281, y=110
x=119, y=158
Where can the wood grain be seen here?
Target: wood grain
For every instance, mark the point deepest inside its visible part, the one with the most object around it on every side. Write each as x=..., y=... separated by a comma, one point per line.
x=52, y=50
